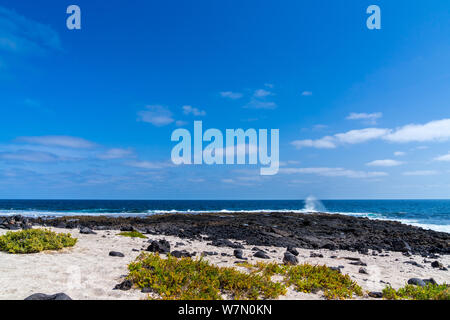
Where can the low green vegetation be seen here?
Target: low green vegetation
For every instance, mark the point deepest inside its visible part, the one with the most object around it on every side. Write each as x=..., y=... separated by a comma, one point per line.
x=132, y=234
x=35, y=240
x=190, y=279
x=309, y=278
x=412, y=292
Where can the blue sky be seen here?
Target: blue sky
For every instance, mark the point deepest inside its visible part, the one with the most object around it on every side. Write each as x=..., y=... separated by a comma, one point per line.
x=89, y=113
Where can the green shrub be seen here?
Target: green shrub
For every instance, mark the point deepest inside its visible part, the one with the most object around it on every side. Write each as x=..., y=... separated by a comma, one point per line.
x=35, y=240
x=412, y=292
x=132, y=234
x=309, y=278
x=190, y=279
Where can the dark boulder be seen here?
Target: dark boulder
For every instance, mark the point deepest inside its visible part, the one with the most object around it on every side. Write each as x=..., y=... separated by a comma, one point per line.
x=363, y=270
x=86, y=230
x=376, y=294
x=180, y=254
x=260, y=254
x=401, y=245
x=315, y=255
x=238, y=253
x=226, y=243
x=417, y=282
x=124, y=285
x=292, y=250
x=127, y=228
x=116, y=254
x=437, y=264
x=430, y=281
x=161, y=246
x=42, y=296
x=289, y=259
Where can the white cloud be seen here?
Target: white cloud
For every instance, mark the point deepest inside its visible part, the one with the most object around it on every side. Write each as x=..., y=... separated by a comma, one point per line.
x=350, y=137
x=334, y=172
x=257, y=104
x=115, y=153
x=180, y=123
x=324, y=143
x=29, y=156
x=384, y=163
x=362, y=135
x=438, y=130
x=58, y=141
x=149, y=165
x=156, y=115
x=227, y=180
x=306, y=93
x=231, y=95
x=25, y=36
x=445, y=157
x=367, y=117
x=260, y=93
x=421, y=173
x=399, y=153
x=194, y=111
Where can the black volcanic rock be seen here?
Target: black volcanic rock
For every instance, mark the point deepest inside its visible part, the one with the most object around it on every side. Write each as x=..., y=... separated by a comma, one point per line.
x=124, y=285
x=261, y=254
x=42, y=296
x=308, y=231
x=86, y=230
x=239, y=254
x=289, y=259
x=116, y=254
x=161, y=246
x=181, y=254
x=292, y=250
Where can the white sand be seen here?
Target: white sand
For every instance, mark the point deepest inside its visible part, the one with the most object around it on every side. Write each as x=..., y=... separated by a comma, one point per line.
x=86, y=271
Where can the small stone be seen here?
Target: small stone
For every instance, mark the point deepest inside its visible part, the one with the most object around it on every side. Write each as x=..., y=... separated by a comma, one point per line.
x=238, y=253
x=209, y=253
x=315, y=255
x=363, y=271
x=292, y=250
x=429, y=281
x=180, y=254
x=124, y=285
x=116, y=254
x=86, y=230
x=437, y=264
x=376, y=294
x=42, y=296
x=161, y=246
x=417, y=282
x=261, y=254
x=289, y=258
x=359, y=263
x=127, y=229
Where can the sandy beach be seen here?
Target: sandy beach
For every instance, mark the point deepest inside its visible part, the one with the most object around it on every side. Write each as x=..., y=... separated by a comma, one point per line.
x=86, y=271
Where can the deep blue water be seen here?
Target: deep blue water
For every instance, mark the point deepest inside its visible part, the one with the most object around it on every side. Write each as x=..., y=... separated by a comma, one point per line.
x=429, y=214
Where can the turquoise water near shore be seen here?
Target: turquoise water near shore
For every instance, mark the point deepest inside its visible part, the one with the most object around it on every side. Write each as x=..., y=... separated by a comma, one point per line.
x=428, y=214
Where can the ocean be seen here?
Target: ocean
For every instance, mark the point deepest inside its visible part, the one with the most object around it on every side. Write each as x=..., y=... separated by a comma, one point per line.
x=428, y=214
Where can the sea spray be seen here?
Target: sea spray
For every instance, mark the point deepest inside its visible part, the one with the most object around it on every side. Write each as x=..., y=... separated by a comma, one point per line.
x=312, y=204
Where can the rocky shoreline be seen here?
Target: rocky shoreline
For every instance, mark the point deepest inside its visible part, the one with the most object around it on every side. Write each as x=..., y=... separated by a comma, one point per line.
x=308, y=231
